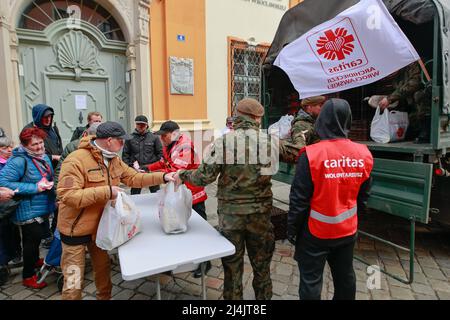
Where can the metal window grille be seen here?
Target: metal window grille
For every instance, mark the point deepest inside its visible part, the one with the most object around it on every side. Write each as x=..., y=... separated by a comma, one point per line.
x=246, y=62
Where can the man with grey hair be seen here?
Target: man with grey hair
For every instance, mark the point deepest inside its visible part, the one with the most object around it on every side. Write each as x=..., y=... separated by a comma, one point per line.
x=89, y=178
x=72, y=146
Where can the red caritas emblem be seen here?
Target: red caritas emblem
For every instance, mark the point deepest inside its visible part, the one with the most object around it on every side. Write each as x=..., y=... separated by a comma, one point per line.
x=335, y=44
x=400, y=132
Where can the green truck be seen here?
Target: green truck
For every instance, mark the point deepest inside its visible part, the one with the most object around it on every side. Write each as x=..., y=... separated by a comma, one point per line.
x=409, y=178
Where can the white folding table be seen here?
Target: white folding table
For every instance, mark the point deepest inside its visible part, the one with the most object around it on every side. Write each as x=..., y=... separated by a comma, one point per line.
x=153, y=252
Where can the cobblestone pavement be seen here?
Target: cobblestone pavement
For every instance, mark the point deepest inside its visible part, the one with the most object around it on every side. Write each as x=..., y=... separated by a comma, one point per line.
x=431, y=274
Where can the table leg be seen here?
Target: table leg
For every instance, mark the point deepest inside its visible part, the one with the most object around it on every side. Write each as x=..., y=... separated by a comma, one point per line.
x=203, y=267
x=158, y=288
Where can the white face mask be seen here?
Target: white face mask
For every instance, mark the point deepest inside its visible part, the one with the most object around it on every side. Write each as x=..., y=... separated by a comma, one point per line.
x=175, y=136
x=107, y=154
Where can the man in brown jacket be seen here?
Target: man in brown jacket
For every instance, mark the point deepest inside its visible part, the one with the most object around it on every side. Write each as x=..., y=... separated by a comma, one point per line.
x=90, y=176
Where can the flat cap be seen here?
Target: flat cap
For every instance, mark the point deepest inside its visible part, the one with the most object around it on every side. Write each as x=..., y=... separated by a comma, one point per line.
x=111, y=129
x=251, y=107
x=313, y=100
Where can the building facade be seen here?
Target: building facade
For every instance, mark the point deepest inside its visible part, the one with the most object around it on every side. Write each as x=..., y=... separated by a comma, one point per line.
x=76, y=56
x=224, y=41
x=184, y=60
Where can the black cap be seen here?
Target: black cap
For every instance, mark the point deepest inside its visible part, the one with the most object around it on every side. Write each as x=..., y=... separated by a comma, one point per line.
x=111, y=129
x=168, y=126
x=141, y=119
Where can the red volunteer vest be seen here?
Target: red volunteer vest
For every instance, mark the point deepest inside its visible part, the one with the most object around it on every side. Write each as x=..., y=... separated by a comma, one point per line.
x=181, y=156
x=338, y=168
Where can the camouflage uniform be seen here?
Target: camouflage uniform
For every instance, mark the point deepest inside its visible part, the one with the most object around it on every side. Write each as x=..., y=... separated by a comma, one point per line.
x=302, y=134
x=244, y=205
x=412, y=97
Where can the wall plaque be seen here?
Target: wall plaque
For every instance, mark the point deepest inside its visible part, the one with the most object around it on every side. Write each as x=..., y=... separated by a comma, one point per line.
x=181, y=75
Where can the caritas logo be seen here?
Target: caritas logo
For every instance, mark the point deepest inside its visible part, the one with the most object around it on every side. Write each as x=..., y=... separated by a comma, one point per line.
x=335, y=44
x=337, y=48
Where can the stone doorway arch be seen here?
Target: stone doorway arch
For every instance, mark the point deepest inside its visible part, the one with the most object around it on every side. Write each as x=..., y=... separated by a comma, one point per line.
x=133, y=18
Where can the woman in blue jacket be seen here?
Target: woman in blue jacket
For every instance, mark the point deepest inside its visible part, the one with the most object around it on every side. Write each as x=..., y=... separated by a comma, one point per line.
x=29, y=172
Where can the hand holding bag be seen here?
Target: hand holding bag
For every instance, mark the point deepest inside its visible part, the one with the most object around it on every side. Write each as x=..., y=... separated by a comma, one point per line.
x=389, y=127
x=175, y=208
x=120, y=221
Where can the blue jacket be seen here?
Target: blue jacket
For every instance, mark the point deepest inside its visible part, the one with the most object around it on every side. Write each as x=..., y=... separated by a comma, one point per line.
x=33, y=204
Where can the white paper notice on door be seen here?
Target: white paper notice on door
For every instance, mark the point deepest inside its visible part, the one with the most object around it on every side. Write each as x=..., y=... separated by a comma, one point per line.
x=80, y=102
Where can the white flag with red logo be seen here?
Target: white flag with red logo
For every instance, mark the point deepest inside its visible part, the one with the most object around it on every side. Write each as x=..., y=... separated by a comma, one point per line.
x=361, y=45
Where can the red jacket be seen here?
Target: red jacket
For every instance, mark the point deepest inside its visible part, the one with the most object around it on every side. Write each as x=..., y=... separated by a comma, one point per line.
x=181, y=156
x=338, y=168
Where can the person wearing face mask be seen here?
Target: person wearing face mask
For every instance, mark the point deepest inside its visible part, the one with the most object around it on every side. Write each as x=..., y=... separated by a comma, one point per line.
x=29, y=172
x=89, y=178
x=179, y=153
x=244, y=199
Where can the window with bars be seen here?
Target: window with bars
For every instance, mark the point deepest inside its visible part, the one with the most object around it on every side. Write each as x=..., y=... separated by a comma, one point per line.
x=245, y=74
x=41, y=13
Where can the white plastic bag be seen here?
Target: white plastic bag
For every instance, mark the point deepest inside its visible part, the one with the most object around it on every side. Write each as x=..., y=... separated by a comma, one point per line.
x=389, y=127
x=120, y=221
x=175, y=208
x=282, y=126
x=398, y=124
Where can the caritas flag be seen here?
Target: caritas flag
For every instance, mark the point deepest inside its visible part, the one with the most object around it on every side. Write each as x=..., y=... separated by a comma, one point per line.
x=360, y=45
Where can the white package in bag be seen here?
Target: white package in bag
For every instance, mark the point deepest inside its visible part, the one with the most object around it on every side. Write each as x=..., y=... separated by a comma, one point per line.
x=120, y=221
x=282, y=127
x=175, y=208
x=389, y=127
x=398, y=124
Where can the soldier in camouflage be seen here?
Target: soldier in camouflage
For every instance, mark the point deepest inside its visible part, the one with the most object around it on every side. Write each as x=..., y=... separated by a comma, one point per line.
x=244, y=198
x=413, y=98
x=302, y=129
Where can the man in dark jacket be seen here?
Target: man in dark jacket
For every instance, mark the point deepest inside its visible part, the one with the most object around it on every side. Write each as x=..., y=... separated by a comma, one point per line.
x=43, y=119
x=330, y=187
x=143, y=149
x=93, y=117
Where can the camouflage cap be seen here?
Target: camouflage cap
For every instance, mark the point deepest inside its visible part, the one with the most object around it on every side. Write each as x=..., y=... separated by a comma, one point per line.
x=312, y=100
x=251, y=107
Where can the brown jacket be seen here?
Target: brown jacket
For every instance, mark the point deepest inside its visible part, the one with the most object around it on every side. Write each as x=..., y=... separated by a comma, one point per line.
x=84, y=188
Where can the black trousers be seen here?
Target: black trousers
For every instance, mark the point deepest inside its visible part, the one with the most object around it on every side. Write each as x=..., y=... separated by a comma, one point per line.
x=138, y=190
x=311, y=262
x=10, y=246
x=200, y=209
x=31, y=238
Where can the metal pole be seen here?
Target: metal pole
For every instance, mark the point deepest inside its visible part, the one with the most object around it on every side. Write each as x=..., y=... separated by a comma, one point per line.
x=203, y=267
x=412, y=239
x=158, y=288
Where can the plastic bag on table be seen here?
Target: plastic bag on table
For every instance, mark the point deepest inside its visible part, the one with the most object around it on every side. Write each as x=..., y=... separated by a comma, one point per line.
x=120, y=221
x=175, y=208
